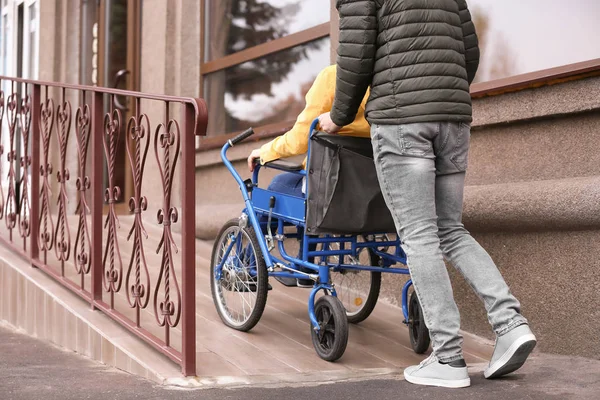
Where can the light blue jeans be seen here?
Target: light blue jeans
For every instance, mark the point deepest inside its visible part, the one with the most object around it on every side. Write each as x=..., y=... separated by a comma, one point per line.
x=421, y=169
x=287, y=183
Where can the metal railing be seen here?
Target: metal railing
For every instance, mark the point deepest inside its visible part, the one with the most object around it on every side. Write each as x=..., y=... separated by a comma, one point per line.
x=42, y=136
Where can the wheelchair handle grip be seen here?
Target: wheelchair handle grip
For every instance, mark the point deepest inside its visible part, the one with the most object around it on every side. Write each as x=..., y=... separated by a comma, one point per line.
x=242, y=136
x=313, y=127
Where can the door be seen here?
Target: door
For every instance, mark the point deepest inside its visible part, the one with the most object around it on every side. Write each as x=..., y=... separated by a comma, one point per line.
x=111, y=53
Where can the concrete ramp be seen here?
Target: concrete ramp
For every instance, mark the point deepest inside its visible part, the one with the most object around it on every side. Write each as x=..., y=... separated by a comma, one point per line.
x=277, y=351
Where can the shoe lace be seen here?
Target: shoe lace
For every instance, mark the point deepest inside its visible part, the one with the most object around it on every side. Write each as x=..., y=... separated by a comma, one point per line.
x=429, y=360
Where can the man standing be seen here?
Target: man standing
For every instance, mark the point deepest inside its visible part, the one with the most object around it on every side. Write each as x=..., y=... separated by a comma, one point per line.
x=419, y=57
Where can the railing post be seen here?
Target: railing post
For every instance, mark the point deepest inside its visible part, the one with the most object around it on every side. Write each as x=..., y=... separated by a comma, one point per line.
x=97, y=196
x=36, y=104
x=188, y=238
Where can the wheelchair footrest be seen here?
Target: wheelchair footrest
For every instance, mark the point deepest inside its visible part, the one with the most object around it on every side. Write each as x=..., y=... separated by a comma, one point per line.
x=242, y=287
x=285, y=281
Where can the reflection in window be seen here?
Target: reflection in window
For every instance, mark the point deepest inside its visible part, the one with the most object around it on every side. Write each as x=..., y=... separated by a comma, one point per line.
x=542, y=34
x=89, y=43
x=32, y=41
x=235, y=25
x=4, y=44
x=117, y=41
x=264, y=91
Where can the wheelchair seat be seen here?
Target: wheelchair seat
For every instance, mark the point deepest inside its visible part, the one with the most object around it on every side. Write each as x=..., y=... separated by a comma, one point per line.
x=284, y=165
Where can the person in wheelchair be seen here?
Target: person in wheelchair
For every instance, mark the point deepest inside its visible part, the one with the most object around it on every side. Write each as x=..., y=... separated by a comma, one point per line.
x=319, y=100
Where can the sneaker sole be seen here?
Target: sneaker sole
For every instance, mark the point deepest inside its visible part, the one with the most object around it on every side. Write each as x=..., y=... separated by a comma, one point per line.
x=452, y=384
x=513, y=359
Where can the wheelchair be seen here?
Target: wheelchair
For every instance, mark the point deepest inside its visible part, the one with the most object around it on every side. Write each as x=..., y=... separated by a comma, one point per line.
x=347, y=240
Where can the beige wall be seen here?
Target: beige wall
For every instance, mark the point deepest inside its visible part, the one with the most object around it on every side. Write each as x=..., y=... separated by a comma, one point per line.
x=170, y=65
x=59, y=50
x=59, y=41
x=170, y=55
x=171, y=47
x=335, y=32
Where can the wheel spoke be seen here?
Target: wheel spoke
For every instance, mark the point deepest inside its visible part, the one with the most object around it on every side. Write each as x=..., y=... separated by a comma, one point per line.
x=322, y=337
x=330, y=340
x=243, y=293
x=243, y=306
x=326, y=316
x=354, y=287
x=325, y=340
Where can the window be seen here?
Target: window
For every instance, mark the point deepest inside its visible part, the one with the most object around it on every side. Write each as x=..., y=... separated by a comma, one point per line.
x=266, y=90
x=260, y=59
x=233, y=26
x=32, y=42
x=19, y=22
x=542, y=34
x=4, y=43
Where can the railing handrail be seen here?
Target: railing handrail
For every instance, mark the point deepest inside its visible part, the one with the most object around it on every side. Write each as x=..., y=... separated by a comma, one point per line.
x=198, y=103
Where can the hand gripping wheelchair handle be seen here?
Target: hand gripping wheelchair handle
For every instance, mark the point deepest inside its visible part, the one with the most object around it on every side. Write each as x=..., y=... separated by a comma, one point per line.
x=242, y=136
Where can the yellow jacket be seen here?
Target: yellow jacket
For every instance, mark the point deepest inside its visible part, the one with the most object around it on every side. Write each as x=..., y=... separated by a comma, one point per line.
x=319, y=100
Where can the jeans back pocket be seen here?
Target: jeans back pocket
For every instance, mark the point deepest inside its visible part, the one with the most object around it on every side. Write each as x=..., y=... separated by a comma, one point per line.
x=460, y=151
x=414, y=140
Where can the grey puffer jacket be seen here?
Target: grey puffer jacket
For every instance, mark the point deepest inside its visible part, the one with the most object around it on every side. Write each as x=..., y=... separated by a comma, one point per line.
x=418, y=56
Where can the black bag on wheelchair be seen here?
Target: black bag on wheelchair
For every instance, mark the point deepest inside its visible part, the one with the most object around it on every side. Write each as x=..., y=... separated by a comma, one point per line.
x=344, y=196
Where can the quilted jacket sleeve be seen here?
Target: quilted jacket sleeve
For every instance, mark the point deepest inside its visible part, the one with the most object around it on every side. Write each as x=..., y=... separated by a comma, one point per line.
x=470, y=39
x=356, y=57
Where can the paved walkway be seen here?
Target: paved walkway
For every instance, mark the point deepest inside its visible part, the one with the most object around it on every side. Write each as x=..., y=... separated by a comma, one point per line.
x=33, y=370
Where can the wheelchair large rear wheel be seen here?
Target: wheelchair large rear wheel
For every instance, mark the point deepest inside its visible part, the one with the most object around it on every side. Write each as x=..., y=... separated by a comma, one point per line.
x=357, y=290
x=417, y=330
x=240, y=290
x=331, y=339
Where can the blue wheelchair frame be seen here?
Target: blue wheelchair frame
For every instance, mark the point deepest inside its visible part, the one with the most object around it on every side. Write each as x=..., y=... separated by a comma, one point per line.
x=291, y=211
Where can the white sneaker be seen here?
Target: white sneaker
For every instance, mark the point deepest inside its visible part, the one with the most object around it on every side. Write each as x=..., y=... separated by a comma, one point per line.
x=431, y=372
x=511, y=352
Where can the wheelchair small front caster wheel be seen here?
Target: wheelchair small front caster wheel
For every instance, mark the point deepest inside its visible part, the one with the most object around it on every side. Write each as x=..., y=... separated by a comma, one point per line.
x=331, y=339
x=417, y=330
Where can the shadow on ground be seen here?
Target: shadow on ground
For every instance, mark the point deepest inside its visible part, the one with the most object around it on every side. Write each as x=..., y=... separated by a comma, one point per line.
x=34, y=370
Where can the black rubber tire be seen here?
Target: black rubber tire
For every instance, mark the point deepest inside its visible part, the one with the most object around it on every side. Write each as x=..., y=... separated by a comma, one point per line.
x=262, y=278
x=417, y=330
x=373, y=296
x=330, y=343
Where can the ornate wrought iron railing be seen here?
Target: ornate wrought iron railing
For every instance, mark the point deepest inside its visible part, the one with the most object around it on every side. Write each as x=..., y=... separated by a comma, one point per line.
x=67, y=185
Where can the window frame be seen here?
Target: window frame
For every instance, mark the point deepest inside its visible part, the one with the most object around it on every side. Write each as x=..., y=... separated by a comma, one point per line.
x=6, y=47
x=10, y=11
x=27, y=30
x=218, y=64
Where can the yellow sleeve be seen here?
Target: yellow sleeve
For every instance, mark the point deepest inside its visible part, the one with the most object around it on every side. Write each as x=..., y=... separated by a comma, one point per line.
x=295, y=142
